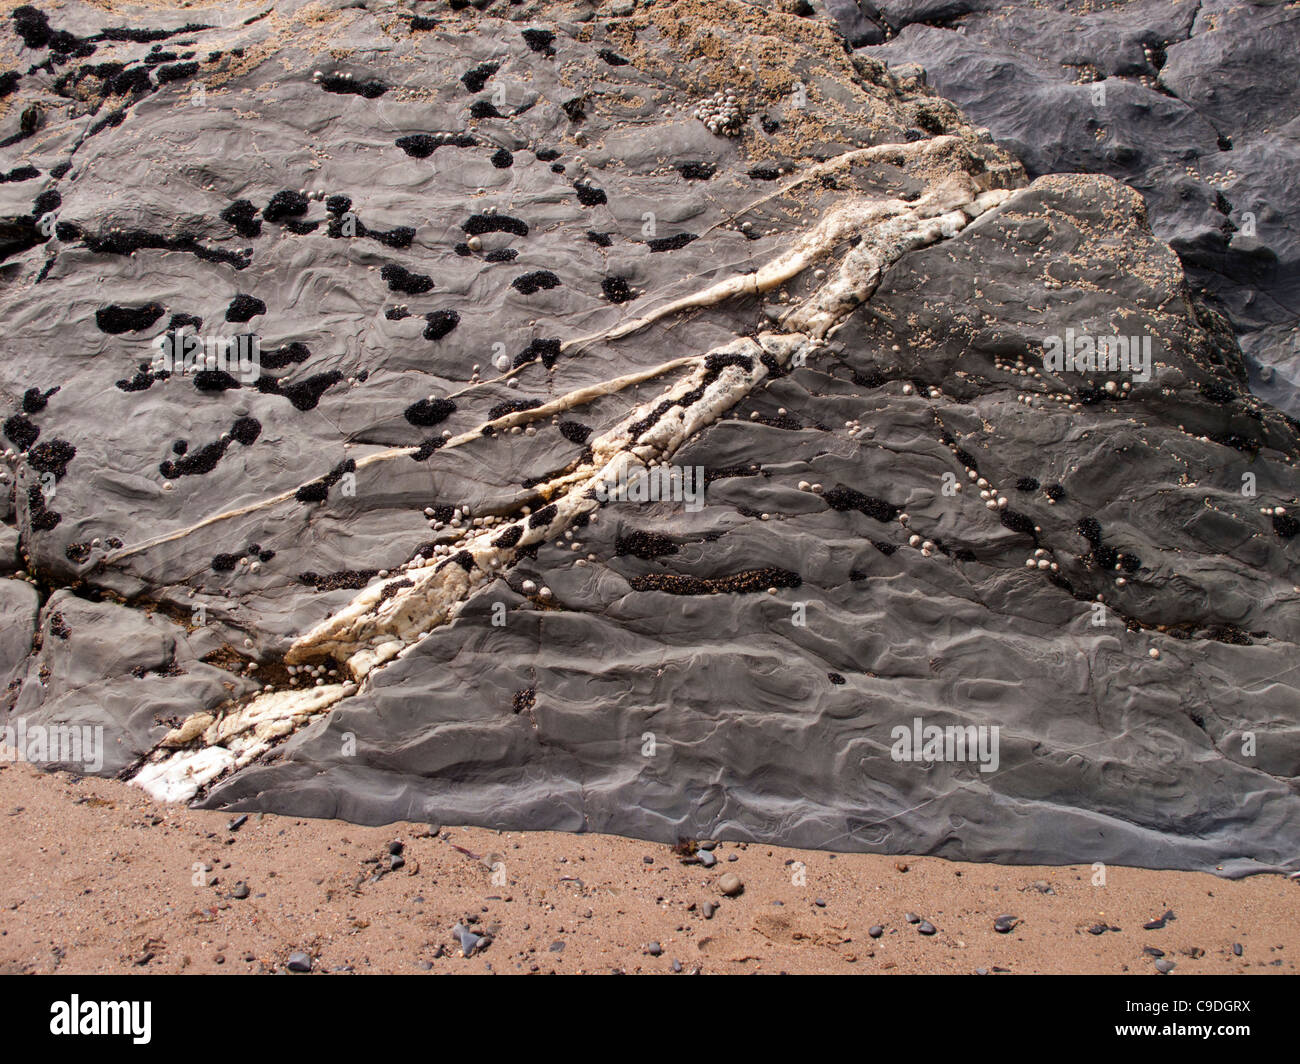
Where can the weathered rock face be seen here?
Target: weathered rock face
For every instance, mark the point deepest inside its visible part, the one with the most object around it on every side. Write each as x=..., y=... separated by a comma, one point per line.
x=1193, y=103
x=499, y=266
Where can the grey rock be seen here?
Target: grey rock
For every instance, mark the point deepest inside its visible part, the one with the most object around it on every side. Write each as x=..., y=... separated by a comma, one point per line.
x=20, y=607
x=469, y=941
x=1182, y=95
x=762, y=747
x=120, y=669
x=9, y=560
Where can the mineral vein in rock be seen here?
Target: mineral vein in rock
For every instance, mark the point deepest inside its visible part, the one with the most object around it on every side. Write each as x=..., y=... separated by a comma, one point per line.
x=375, y=628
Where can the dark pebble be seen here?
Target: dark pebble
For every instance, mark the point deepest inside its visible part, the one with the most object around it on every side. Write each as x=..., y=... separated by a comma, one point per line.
x=299, y=962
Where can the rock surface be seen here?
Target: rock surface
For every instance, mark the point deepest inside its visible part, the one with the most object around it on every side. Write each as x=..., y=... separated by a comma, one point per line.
x=1193, y=102
x=500, y=213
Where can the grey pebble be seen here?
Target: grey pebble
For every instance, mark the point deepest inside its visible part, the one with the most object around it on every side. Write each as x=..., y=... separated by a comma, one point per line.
x=925, y=927
x=469, y=941
x=299, y=962
x=875, y=930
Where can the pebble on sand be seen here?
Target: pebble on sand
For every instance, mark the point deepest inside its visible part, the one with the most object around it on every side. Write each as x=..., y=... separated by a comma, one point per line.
x=469, y=941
